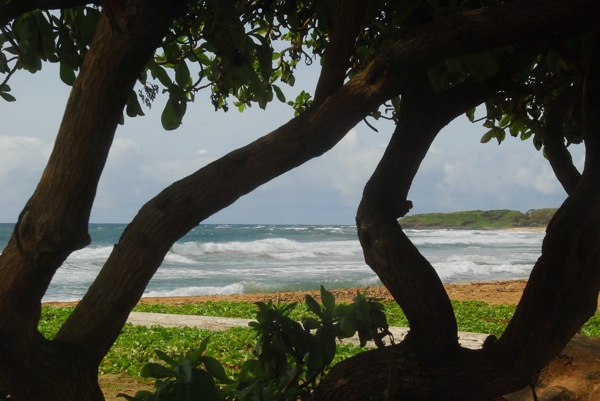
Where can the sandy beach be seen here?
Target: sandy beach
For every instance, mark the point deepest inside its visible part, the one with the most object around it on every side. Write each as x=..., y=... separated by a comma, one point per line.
x=491, y=292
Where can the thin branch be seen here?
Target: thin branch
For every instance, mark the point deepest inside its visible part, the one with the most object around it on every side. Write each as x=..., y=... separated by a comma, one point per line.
x=558, y=155
x=348, y=19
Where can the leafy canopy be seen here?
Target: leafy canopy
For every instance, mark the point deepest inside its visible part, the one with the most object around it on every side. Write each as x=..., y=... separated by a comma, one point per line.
x=246, y=50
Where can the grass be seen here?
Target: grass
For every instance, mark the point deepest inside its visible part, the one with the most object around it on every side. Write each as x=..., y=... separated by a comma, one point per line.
x=136, y=344
x=120, y=369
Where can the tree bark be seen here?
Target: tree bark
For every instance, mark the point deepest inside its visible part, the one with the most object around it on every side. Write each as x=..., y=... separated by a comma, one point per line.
x=55, y=219
x=554, y=144
x=348, y=18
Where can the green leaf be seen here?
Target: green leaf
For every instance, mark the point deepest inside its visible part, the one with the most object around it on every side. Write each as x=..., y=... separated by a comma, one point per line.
x=481, y=66
x=362, y=312
x=454, y=65
x=183, y=371
x=133, y=108
x=156, y=371
x=171, y=116
x=166, y=358
x=323, y=349
x=471, y=114
x=67, y=75
x=489, y=123
x=328, y=299
x=197, y=354
x=158, y=72
x=310, y=323
x=438, y=76
x=182, y=74
x=348, y=326
x=265, y=58
x=313, y=306
x=87, y=28
x=130, y=398
x=172, y=52
x=488, y=136
x=500, y=135
x=7, y=97
x=215, y=368
x=4, y=68
x=505, y=120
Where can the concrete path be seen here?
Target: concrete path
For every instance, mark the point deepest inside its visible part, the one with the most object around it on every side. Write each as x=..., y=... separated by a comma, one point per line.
x=467, y=340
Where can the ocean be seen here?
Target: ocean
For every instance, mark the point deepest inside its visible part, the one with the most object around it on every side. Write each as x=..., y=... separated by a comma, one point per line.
x=232, y=259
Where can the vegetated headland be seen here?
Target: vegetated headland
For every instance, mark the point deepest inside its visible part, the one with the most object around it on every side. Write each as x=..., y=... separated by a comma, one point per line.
x=480, y=219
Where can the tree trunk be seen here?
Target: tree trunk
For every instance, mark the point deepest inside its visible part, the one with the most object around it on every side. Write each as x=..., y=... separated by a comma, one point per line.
x=55, y=219
x=560, y=296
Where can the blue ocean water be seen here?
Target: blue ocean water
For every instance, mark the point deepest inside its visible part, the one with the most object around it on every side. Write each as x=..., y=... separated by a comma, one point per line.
x=228, y=259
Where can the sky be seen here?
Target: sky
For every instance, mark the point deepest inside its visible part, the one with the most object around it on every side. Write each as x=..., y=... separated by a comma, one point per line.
x=459, y=173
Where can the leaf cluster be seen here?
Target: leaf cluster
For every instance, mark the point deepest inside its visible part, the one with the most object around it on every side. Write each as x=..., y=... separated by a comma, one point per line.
x=225, y=47
x=533, y=86
x=552, y=83
x=289, y=356
x=188, y=377
x=43, y=36
x=237, y=49
x=292, y=355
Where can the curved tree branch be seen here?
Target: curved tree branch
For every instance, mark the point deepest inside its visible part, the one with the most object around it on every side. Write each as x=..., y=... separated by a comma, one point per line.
x=554, y=145
x=347, y=19
x=409, y=277
x=101, y=314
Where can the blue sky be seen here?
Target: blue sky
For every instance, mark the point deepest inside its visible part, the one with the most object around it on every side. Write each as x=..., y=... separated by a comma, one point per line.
x=459, y=173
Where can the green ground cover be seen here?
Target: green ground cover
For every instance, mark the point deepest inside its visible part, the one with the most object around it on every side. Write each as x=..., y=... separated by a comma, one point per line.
x=136, y=345
x=479, y=219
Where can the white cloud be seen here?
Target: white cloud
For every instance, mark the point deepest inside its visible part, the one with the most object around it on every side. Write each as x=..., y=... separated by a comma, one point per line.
x=22, y=160
x=22, y=152
x=348, y=166
x=166, y=171
x=513, y=175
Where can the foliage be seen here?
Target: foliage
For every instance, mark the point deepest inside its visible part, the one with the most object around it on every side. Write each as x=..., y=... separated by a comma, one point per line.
x=289, y=356
x=478, y=219
x=134, y=347
x=188, y=377
x=247, y=50
x=552, y=80
x=136, y=344
x=242, y=310
x=541, y=84
x=292, y=355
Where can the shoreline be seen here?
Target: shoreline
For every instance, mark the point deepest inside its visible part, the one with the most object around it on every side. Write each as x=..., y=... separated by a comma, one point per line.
x=492, y=292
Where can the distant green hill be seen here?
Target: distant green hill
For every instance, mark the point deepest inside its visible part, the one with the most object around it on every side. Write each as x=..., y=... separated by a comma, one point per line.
x=479, y=219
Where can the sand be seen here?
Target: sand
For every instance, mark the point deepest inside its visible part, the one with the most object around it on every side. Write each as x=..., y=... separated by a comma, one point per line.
x=491, y=292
